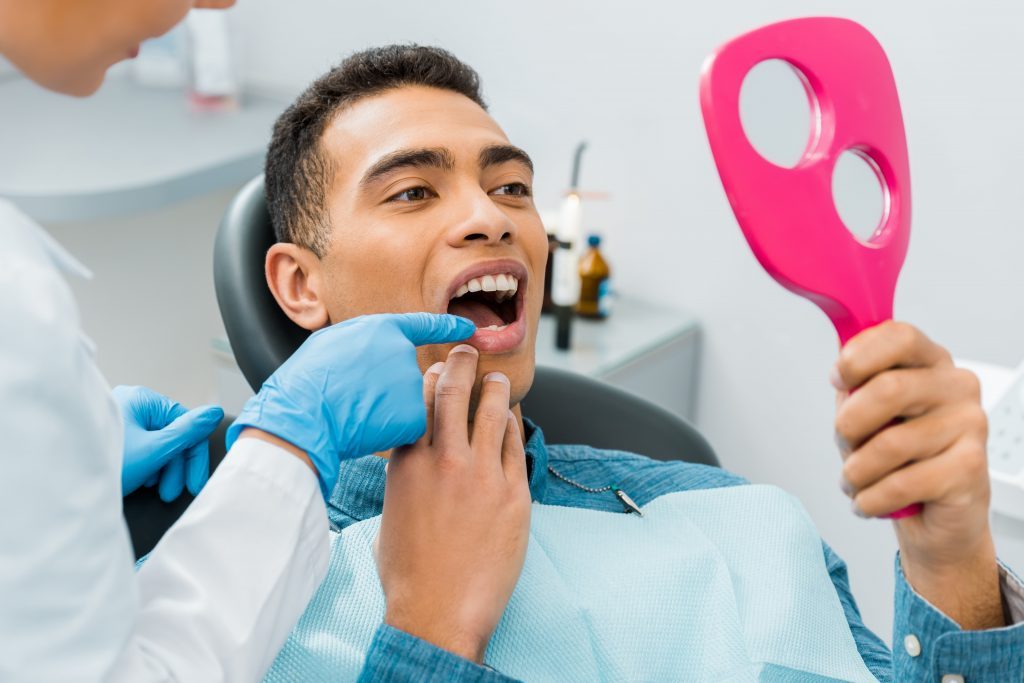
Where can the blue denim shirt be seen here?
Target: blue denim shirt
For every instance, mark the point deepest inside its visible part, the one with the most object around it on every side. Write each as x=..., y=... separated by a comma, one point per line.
x=944, y=649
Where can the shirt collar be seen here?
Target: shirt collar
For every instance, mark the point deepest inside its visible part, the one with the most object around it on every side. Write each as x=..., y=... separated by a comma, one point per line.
x=359, y=493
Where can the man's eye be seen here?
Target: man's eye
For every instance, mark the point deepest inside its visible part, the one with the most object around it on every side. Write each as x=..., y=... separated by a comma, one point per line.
x=413, y=194
x=514, y=190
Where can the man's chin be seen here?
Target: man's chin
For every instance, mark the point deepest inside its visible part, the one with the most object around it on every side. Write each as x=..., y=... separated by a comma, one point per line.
x=519, y=380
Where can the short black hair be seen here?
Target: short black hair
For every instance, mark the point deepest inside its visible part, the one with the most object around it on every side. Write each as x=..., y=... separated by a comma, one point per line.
x=298, y=173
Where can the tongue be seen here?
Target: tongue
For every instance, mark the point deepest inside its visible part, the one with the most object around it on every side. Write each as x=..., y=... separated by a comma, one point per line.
x=480, y=313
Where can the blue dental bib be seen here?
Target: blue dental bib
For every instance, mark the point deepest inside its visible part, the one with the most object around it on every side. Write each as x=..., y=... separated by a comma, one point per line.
x=710, y=585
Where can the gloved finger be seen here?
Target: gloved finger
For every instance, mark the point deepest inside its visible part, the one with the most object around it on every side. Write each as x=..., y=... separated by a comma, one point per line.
x=172, y=479
x=197, y=466
x=147, y=408
x=433, y=328
x=151, y=454
x=189, y=429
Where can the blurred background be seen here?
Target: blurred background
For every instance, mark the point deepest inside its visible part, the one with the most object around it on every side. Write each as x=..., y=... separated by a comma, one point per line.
x=134, y=183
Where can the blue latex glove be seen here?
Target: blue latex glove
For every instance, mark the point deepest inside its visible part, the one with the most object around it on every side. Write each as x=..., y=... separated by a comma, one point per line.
x=164, y=442
x=351, y=389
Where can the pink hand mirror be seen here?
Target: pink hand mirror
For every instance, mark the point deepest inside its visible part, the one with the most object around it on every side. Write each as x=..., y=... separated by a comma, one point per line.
x=788, y=215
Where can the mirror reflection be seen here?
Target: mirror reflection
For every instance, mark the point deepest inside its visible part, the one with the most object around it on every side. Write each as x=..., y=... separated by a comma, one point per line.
x=775, y=112
x=859, y=194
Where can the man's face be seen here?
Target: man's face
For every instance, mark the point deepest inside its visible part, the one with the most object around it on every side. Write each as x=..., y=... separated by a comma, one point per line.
x=429, y=203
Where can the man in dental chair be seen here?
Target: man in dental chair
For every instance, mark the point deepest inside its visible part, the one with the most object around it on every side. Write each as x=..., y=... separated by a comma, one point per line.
x=479, y=553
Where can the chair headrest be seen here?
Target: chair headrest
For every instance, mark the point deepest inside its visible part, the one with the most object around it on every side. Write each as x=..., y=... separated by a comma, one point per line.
x=261, y=335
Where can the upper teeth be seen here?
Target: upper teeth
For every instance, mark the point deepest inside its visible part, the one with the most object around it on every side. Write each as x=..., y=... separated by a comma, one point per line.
x=505, y=284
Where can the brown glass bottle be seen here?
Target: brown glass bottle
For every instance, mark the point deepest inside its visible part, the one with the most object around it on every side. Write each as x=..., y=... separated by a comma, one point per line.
x=595, y=293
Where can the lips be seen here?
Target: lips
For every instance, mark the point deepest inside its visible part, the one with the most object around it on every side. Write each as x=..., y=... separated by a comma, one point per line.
x=492, y=295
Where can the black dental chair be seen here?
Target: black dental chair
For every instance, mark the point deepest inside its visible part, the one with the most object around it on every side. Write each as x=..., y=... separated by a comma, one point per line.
x=570, y=408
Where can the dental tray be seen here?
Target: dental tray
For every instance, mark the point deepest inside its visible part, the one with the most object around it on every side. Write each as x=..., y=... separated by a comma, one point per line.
x=1006, y=449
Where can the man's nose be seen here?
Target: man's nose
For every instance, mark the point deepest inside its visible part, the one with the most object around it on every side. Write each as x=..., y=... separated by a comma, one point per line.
x=481, y=222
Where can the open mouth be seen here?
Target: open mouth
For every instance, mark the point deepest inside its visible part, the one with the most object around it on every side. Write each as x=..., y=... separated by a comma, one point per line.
x=489, y=301
x=492, y=295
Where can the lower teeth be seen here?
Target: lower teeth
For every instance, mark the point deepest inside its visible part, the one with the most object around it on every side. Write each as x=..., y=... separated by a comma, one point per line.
x=494, y=328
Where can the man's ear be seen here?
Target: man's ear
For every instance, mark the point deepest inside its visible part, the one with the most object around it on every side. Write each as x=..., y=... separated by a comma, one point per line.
x=294, y=276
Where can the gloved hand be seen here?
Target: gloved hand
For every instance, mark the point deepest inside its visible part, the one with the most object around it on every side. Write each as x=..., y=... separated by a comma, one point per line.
x=351, y=389
x=164, y=442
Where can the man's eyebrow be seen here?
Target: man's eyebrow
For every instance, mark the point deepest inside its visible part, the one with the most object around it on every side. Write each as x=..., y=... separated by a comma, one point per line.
x=438, y=157
x=499, y=154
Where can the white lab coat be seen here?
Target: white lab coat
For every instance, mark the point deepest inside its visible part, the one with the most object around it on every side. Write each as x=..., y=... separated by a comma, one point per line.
x=221, y=591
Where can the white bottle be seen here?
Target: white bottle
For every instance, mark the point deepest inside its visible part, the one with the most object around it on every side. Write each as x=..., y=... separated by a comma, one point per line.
x=214, y=81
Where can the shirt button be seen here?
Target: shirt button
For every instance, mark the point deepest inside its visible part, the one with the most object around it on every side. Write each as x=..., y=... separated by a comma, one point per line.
x=913, y=646
x=952, y=678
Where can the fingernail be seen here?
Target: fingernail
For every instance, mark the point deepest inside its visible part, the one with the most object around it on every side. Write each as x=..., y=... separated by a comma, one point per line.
x=845, y=485
x=435, y=369
x=463, y=348
x=857, y=511
x=841, y=443
x=495, y=377
x=212, y=413
x=836, y=379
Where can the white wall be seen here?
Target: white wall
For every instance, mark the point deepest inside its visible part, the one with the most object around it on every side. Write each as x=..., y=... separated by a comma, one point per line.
x=153, y=314
x=624, y=76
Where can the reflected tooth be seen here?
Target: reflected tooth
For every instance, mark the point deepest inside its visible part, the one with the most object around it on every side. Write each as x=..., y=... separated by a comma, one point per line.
x=461, y=291
x=501, y=282
x=474, y=285
x=487, y=281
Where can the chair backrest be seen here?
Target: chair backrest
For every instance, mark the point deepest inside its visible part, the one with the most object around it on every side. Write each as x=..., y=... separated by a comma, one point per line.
x=261, y=335
x=575, y=409
x=570, y=408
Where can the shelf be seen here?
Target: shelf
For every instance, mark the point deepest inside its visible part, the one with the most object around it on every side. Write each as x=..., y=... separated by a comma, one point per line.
x=126, y=149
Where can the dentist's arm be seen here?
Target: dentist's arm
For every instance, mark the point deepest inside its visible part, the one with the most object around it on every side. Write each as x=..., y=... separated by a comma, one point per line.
x=227, y=583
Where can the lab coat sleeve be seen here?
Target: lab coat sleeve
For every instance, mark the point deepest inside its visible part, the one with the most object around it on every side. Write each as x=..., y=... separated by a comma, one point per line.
x=227, y=583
